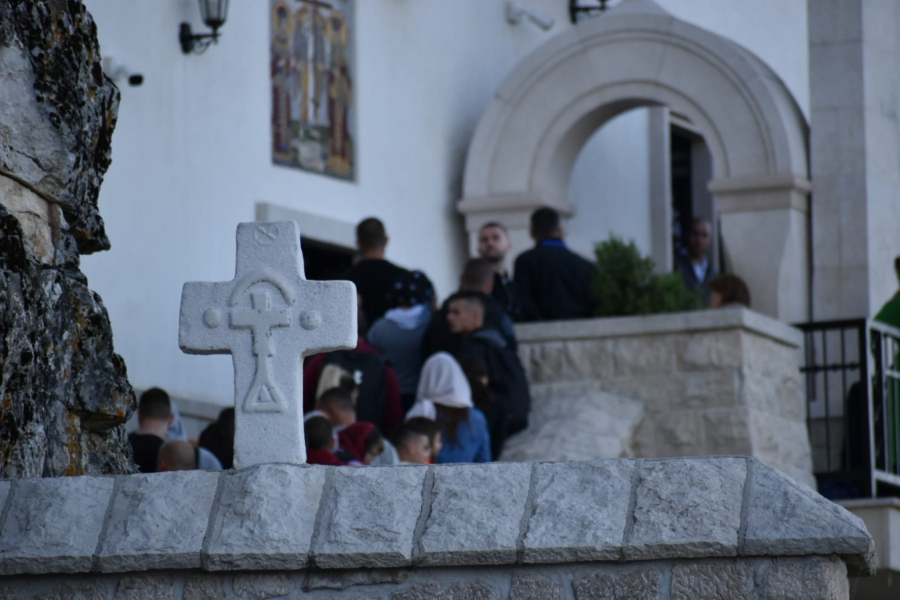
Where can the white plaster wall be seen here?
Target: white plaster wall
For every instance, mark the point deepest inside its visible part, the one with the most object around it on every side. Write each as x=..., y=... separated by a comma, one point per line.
x=774, y=30
x=191, y=154
x=611, y=185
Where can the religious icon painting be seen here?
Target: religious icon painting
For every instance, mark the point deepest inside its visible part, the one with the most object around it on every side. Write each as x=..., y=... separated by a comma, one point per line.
x=313, y=69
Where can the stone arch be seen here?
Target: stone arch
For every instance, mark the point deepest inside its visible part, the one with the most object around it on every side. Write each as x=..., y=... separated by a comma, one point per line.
x=525, y=146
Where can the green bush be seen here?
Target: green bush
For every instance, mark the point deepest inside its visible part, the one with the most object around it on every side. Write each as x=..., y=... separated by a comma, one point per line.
x=626, y=284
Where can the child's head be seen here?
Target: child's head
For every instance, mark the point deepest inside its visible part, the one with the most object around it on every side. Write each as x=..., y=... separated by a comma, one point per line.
x=429, y=428
x=413, y=446
x=337, y=404
x=362, y=440
x=319, y=433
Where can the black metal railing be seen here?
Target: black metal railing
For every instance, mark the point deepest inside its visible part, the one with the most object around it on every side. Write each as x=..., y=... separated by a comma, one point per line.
x=852, y=371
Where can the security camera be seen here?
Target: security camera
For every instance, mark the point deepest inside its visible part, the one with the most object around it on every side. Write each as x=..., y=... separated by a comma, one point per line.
x=117, y=72
x=541, y=20
x=515, y=13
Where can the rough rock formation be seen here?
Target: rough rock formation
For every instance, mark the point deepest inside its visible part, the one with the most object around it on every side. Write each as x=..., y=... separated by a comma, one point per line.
x=64, y=394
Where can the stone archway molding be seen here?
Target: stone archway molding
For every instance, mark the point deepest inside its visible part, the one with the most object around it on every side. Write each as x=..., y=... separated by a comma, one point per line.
x=637, y=55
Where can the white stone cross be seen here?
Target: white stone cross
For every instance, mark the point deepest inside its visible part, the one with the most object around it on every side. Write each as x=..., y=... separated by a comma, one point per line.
x=268, y=318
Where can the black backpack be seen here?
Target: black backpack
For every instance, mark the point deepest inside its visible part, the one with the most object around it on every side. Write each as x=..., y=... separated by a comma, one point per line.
x=369, y=371
x=508, y=379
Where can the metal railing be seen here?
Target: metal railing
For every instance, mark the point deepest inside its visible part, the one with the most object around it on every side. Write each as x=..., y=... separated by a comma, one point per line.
x=852, y=371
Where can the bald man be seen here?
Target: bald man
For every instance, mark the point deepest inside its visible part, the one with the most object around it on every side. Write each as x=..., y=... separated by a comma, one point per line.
x=176, y=455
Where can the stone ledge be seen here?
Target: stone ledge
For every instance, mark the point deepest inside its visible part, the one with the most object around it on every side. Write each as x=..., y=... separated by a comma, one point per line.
x=288, y=517
x=684, y=322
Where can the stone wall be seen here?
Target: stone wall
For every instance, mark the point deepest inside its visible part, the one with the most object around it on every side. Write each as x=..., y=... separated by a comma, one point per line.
x=677, y=528
x=707, y=383
x=63, y=390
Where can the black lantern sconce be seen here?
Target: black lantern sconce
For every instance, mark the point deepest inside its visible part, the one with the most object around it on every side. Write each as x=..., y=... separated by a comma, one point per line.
x=579, y=10
x=214, y=13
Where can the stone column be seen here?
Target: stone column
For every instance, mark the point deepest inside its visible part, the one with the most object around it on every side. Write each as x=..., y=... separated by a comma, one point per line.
x=63, y=391
x=855, y=153
x=764, y=232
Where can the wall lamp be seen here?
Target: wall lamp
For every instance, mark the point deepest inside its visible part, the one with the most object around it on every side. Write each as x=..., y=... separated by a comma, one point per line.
x=580, y=10
x=214, y=13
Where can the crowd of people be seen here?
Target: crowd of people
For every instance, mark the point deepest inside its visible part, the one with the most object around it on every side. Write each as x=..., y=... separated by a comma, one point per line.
x=428, y=382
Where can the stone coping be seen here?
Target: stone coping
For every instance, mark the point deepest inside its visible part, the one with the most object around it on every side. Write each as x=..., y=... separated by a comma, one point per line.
x=683, y=322
x=287, y=517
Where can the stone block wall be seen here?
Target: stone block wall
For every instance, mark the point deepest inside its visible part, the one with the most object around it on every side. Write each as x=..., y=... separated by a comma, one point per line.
x=710, y=382
x=679, y=528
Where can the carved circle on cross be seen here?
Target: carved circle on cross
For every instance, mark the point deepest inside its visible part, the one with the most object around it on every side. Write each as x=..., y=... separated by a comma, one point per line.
x=310, y=319
x=212, y=318
x=265, y=233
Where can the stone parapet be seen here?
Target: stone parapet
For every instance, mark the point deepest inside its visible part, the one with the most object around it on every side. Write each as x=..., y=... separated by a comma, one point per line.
x=705, y=382
x=336, y=522
x=802, y=578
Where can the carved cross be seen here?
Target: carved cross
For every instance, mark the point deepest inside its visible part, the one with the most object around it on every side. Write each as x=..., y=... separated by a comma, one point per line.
x=268, y=318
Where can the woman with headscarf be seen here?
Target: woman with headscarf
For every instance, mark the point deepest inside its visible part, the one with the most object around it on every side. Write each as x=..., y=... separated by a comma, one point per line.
x=444, y=395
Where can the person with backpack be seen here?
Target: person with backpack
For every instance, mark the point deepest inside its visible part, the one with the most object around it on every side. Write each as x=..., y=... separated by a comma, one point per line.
x=379, y=389
x=506, y=376
x=399, y=333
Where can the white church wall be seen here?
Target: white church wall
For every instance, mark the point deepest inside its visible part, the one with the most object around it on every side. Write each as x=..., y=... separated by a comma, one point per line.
x=191, y=154
x=611, y=185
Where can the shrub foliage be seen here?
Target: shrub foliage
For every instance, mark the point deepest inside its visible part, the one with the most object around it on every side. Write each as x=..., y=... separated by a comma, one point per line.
x=626, y=284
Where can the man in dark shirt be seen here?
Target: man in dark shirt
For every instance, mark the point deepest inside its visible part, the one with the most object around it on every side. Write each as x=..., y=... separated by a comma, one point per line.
x=493, y=246
x=694, y=267
x=556, y=282
x=373, y=275
x=154, y=417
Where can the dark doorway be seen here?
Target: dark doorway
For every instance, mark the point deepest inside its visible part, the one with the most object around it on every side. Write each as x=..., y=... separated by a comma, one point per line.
x=682, y=188
x=691, y=170
x=325, y=262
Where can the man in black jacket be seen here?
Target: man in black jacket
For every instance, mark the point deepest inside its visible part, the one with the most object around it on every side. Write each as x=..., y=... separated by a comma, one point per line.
x=493, y=246
x=556, y=282
x=506, y=376
x=477, y=278
x=694, y=267
x=373, y=275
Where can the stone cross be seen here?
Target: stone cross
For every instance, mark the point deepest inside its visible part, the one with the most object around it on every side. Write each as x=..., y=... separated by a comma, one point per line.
x=268, y=318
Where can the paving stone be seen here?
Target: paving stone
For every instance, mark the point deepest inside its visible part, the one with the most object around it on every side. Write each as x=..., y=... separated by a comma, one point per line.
x=203, y=587
x=712, y=580
x=145, y=587
x=158, y=521
x=473, y=591
x=534, y=587
x=639, y=584
x=371, y=518
x=265, y=518
x=10, y=593
x=785, y=518
x=476, y=513
x=458, y=591
x=430, y=591
x=806, y=578
x=262, y=587
x=579, y=511
x=54, y=524
x=687, y=508
x=341, y=580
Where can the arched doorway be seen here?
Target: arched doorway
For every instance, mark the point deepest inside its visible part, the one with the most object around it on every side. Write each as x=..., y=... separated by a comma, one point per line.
x=637, y=55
